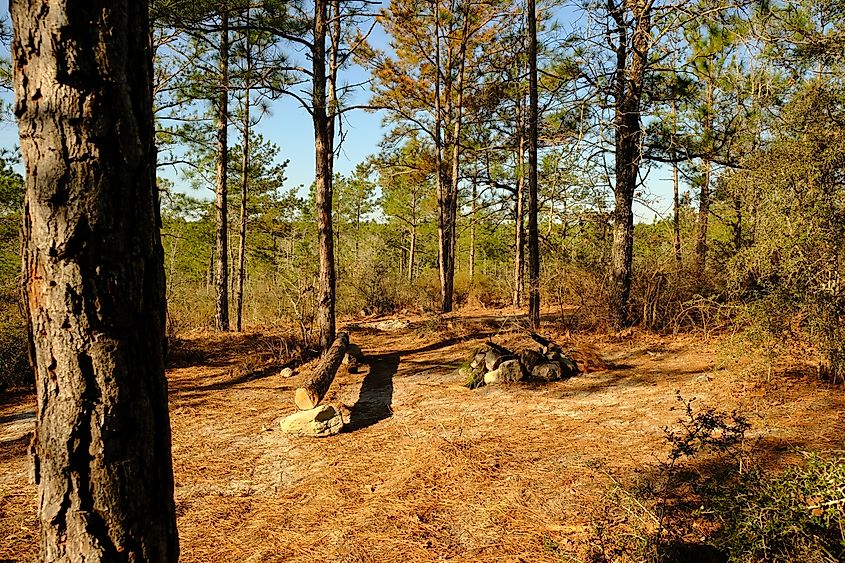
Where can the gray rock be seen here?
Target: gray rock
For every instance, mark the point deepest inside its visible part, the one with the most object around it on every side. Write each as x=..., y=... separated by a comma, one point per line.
x=391, y=325
x=287, y=372
x=547, y=372
x=530, y=359
x=318, y=422
x=509, y=371
x=478, y=358
x=569, y=367
x=493, y=359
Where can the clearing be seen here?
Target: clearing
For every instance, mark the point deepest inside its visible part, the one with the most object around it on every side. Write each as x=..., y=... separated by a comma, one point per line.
x=427, y=469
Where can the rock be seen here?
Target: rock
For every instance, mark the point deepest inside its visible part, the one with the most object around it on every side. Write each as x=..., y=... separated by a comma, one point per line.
x=531, y=358
x=509, y=371
x=493, y=359
x=547, y=371
x=318, y=422
x=478, y=358
x=287, y=372
x=569, y=367
x=396, y=324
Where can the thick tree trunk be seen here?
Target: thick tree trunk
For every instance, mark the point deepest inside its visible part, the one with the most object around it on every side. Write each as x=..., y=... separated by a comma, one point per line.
x=533, y=228
x=628, y=81
x=312, y=391
x=94, y=278
x=323, y=181
x=221, y=278
x=445, y=231
x=445, y=239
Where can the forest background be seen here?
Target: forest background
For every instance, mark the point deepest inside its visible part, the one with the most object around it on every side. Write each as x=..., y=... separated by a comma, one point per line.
x=738, y=184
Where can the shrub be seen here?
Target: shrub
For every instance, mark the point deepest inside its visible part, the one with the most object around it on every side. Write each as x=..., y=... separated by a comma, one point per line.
x=15, y=371
x=753, y=515
x=797, y=515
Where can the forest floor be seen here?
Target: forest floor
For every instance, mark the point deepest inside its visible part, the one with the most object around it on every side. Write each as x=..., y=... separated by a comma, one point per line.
x=426, y=469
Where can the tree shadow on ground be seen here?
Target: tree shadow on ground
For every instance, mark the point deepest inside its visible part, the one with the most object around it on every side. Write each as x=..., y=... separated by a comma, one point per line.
x=376, y=395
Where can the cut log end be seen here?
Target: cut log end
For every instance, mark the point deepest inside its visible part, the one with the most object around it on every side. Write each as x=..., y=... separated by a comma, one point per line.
x=305, y=399
x=314, y=389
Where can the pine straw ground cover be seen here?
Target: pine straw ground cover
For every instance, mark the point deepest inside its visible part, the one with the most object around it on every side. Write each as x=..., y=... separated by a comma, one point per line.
x=428, y=470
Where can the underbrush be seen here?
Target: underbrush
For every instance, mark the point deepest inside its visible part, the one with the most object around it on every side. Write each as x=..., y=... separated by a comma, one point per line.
x=709, y=500
x=15, y=371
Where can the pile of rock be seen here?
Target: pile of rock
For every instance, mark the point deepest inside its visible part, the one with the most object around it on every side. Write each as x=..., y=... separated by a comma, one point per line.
x=495, y=364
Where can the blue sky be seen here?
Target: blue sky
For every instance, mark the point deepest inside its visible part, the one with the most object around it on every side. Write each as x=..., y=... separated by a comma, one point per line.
x=289, y=126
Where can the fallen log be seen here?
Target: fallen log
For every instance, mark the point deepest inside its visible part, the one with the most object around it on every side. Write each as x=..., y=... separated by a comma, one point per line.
x=548, y=346
x=314, y=389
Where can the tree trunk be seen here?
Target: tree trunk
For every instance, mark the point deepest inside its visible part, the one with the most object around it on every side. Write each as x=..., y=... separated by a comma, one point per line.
x=627, y=96
x=323, y=180
x=312, y=391
x=412, y=253
x=242, y=239
x=704, y=194
x=209, y=275
x=533, y=228
x=455, y=112
x=221, y=278
x=703, y=216
x=239, y=296
x=737, y=226
x=473, y=210
x=94, y=279
x=676, y=202
x=445, y=231
x=519, y=215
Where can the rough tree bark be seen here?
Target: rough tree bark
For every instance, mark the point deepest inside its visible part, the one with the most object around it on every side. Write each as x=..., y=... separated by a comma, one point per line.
x=239, y=294
x=323, y=179
x=94, y=278
x=444, y=230
x=221, y=206
x=628, y=89
x=312, y=391
x=533, y=228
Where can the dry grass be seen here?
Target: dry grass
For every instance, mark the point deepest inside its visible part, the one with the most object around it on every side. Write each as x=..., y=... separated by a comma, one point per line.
x=429, y=470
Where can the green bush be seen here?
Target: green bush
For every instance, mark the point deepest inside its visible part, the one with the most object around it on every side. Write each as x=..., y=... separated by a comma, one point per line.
x=797, y=515
x=15, y=371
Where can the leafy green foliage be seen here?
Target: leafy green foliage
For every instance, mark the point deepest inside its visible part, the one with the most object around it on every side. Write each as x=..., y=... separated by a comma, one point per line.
x=795, y=266
x=14, y=362
x=797, y=515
